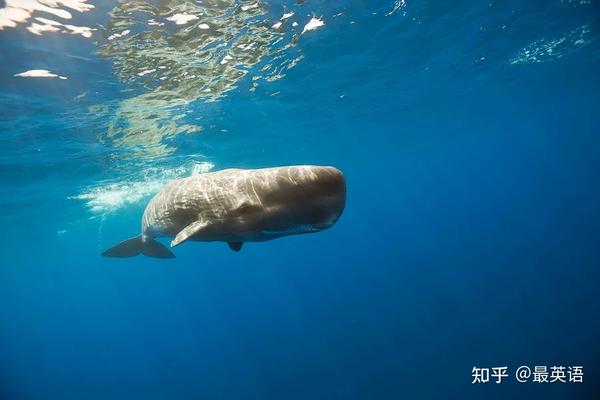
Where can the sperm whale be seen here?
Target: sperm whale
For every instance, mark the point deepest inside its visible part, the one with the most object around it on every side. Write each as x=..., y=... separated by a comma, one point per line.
x=237, y=206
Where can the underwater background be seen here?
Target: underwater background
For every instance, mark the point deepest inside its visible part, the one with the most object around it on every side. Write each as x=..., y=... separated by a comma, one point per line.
x=469, y=136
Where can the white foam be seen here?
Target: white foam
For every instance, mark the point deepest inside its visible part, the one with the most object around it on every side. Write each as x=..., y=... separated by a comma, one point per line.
x=39, y=29
x=286, y=16
x=152, y=22
x=146, y=72
x=16, y=12
x=78, y=5
x=226, y=59
x=118, y=35
x=277, y=25
x=39, y=73
x=577, y=2
x=181, y=19
x=109, y=197
x=84, y=31
x=545, y=50
x=203, y=26
x=201, y=168
x=249, y=7
x=397, y=5
x=114, y=196
x=247, y=46
x=313, y=24
x=49, y=25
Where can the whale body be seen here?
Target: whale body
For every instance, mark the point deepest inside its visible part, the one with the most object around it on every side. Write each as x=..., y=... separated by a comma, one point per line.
x=237, y=206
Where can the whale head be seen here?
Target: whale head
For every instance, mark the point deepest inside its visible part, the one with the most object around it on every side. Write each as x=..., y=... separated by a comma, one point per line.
x=304, y=198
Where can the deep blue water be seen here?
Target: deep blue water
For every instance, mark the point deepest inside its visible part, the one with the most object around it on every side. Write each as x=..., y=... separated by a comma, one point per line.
x=469, y=136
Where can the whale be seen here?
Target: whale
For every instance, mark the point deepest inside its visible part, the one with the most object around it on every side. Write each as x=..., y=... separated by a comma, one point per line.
x=238, y=206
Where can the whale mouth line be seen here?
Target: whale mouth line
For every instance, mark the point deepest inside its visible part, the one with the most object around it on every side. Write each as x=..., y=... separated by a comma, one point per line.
x=296, y=229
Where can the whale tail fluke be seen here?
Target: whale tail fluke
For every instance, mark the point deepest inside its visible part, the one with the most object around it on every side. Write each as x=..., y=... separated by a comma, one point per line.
x=136, y=245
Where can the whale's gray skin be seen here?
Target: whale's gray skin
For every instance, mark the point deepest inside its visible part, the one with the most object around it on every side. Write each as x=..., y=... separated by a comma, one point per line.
x=237, y=206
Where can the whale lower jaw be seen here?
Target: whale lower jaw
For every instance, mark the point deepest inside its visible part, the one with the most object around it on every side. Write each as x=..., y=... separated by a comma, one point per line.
x=293, y=231
x=262, y=236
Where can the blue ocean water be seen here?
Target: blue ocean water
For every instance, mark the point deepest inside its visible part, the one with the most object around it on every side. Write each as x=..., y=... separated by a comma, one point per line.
x=468, y=134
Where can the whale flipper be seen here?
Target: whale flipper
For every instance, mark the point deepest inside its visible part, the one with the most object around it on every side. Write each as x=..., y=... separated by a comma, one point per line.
x=188, y=232
x=134, y=246
x=235, y=246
